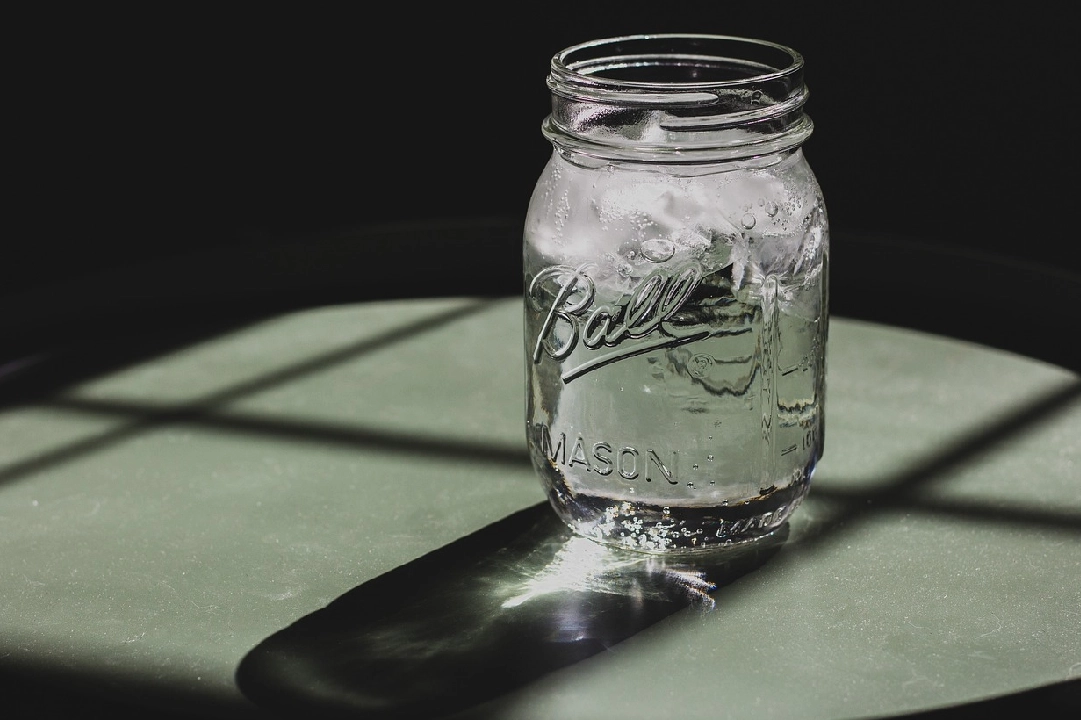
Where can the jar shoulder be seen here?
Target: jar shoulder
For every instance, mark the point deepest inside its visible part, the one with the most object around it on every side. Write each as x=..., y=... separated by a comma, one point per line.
x=771, y=187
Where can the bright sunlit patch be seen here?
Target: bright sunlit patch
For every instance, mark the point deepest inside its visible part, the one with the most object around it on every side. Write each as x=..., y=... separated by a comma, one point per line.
x=582, y=565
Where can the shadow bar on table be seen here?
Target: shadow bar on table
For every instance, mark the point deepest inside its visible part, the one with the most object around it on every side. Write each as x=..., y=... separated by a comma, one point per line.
x=899, y=491
x=902, y=488
x=200, y=407
x=351, y=435
x=967, y=510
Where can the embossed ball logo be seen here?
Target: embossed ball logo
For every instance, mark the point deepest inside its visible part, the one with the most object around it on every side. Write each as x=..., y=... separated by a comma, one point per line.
x=638, y=322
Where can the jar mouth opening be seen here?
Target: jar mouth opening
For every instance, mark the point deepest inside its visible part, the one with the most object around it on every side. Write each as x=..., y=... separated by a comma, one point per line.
x=641, y=67
x=677, y=98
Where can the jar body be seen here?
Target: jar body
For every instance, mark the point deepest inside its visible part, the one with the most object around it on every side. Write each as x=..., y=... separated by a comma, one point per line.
x=675, y=325
x=676, y=305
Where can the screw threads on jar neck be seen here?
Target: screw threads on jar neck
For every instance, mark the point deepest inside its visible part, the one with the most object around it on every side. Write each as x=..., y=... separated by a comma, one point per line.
x=677, y=98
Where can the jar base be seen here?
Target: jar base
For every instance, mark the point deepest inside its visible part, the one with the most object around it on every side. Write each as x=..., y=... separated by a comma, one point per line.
x=677, y=529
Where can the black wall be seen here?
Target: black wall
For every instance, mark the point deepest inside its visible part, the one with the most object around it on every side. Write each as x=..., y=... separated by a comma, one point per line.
x=178, y=129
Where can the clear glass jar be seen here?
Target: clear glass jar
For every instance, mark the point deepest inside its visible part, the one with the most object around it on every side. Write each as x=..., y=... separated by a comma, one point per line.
x=676, y=297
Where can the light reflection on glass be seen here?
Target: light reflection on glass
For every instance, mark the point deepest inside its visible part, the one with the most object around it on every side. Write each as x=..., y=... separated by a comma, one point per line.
x=582, y=565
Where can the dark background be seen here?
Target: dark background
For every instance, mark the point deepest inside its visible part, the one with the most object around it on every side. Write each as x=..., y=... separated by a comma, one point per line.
x=167, y=160
x=169, y=137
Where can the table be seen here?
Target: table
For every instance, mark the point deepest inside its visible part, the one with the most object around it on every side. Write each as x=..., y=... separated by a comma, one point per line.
x=329, y=510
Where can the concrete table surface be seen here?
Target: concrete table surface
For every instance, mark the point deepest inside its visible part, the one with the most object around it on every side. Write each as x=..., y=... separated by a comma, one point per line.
x=332, y=511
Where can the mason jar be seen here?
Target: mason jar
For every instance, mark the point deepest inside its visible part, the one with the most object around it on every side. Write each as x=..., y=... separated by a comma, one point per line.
x=676, y=296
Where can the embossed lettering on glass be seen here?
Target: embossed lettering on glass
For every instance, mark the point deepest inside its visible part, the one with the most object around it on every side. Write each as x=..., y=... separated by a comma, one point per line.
x=676, y=295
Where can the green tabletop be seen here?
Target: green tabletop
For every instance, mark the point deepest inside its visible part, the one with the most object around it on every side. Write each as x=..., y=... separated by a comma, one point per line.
x=203, y=528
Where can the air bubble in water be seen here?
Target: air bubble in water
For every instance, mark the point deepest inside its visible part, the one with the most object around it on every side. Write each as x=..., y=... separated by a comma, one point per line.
x=748, y=220
x=771, y=209
x=658, y=249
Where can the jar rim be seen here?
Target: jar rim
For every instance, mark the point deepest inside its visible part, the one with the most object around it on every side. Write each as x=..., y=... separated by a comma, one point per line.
x=677, y=98
x=584, y=65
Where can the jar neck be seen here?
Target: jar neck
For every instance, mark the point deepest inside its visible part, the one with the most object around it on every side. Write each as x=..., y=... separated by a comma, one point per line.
x=677, y=99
